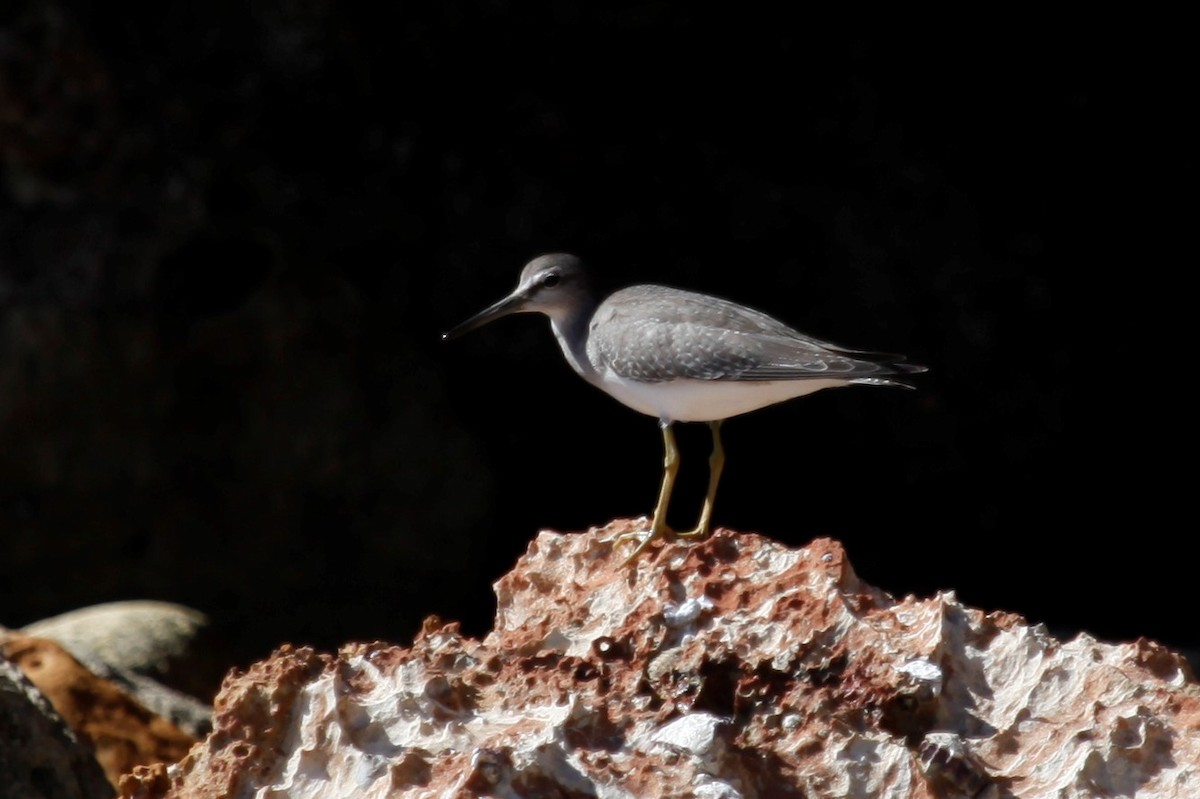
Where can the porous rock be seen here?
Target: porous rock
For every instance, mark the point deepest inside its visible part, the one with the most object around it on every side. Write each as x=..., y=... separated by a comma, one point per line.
x=733, y=667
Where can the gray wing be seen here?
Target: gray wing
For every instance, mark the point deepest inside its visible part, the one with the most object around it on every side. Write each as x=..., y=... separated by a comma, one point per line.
x=656, y=333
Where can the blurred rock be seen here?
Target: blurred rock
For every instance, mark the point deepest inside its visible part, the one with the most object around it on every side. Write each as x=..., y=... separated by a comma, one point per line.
x=122, y=732
x=39, y=755
x=154, y=639
x=167, y=656
x=735, y=667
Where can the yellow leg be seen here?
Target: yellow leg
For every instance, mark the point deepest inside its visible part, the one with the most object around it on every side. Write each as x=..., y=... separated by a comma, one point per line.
x=658, y=525
x=716, y=462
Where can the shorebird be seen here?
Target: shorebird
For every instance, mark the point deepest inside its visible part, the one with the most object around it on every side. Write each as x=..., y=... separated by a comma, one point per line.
x=682, y=356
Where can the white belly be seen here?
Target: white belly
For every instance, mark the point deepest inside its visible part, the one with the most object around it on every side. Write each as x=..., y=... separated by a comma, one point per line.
x=706, y=400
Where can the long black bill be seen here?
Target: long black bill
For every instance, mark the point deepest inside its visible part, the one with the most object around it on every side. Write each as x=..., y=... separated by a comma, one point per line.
x=510, y=304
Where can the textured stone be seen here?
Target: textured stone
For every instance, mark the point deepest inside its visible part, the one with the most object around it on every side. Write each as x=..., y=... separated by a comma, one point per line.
x=165, y=655
x=734, y=667
x=121, y=732
x=39, y=755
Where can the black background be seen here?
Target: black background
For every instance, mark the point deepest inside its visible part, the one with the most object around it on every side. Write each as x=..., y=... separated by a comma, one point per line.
x=231, y=237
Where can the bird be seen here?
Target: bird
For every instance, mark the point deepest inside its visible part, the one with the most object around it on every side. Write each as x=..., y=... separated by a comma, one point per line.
x=682, y=356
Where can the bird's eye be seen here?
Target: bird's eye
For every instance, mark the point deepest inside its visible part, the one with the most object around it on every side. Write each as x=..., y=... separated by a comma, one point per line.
x=550, y=280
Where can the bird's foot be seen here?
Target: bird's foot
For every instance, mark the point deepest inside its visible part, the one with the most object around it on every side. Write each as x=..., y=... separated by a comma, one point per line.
x=657, y=530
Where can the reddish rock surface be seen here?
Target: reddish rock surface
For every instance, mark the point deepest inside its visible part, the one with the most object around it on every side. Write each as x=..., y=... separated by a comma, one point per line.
x=123, y=733
x=735, y=667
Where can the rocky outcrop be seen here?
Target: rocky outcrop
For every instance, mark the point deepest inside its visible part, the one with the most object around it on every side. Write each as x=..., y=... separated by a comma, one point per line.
x=39, y=755
x=117, y=731
x=735, y=667
x=166, y=656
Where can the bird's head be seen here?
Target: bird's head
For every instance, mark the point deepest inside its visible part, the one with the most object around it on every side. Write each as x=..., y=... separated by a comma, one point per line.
x=556, y=285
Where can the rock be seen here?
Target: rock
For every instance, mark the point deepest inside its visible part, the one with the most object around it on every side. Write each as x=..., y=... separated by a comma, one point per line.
x=154, y=639
x=121, y=732
x=166, y=656
x=734, y=667
x=39, y=755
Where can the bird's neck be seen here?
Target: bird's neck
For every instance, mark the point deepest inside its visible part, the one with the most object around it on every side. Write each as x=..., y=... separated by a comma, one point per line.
x=571, y=330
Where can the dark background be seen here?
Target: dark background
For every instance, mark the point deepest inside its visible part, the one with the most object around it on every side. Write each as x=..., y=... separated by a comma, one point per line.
x=230, y=237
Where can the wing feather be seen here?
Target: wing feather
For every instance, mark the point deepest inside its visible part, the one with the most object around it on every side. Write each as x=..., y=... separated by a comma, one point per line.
x=657, y=333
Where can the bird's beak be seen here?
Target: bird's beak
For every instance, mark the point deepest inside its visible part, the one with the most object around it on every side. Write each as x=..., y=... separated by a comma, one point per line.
x=511, y=304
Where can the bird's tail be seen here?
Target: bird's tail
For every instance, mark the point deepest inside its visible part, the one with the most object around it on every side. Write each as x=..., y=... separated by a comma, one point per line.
x=891, y=366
